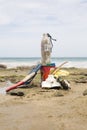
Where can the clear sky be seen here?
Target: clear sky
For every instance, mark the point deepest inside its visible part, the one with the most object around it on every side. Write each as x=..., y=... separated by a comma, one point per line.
x=23, y=22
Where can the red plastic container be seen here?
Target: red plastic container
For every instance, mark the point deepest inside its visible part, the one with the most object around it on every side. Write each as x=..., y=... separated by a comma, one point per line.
x=45, y=71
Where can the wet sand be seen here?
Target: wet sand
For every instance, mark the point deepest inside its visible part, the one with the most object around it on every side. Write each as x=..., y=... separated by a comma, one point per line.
x=48, y=109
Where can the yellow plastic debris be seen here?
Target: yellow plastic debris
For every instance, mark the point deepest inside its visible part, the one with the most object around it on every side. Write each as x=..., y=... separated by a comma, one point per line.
x=61, y=73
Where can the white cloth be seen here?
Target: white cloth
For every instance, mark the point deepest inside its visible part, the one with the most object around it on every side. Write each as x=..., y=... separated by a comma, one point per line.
x=50, y=82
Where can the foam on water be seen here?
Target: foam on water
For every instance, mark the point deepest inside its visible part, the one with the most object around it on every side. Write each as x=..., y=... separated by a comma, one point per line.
x=72, y=62
x=3, y=90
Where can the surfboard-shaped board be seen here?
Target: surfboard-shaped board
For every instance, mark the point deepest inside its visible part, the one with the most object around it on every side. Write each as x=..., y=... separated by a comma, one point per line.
x=29, y=78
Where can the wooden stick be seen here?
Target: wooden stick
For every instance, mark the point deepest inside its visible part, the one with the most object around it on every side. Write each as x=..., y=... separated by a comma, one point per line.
x=58, y=68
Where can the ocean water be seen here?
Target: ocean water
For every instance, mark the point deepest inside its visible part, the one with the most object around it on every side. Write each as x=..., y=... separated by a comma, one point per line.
x=78, y=62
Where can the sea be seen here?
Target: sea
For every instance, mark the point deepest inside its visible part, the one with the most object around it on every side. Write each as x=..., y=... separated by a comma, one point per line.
x=13, y=62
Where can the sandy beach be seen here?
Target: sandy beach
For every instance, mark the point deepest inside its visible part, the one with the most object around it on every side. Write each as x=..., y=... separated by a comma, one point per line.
x=39, y=109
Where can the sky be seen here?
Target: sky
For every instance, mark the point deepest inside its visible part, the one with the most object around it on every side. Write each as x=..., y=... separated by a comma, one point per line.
x=23, y=22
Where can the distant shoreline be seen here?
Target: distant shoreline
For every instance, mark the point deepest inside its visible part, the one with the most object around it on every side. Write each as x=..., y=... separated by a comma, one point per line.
x=12, y=62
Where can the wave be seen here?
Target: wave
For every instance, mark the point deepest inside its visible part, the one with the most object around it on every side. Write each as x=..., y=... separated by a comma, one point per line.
x=69, y=64
x=15, y=62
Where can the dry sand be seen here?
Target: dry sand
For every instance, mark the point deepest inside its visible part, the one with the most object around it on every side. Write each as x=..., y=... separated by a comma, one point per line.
x=45, y=109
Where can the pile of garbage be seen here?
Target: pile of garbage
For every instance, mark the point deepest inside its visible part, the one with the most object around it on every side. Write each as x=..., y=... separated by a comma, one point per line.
x=51, y=79
x=55, y=80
